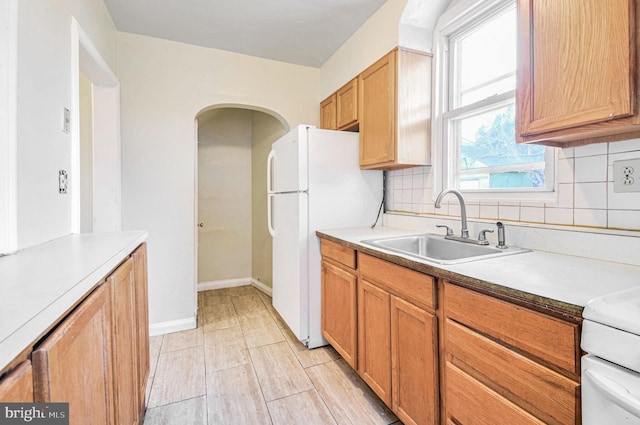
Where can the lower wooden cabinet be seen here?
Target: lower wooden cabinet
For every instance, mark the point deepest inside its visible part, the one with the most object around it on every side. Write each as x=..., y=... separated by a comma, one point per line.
x=339, y=310
x=17, y=385
x=398, y=339
x=438, y=353
x=73, y=364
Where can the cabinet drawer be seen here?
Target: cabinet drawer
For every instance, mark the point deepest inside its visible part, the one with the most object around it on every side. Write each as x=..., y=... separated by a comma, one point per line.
x=336, y=252
x=408, y=284
x=544, y=393
x=470, y=402
x=550, y=340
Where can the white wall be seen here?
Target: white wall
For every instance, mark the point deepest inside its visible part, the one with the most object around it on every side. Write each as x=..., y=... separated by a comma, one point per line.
x=164, y=85
x=224, y=195
x=44, y=81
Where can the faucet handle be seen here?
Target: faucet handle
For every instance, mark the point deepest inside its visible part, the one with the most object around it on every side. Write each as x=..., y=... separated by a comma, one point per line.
x=449, y=229
x=482, y=237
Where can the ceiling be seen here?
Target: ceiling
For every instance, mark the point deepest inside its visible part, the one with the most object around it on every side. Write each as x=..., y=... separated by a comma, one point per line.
x=304, y=32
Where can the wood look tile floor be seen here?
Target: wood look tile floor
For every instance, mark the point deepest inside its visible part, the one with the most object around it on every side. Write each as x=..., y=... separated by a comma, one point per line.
x=243, y=366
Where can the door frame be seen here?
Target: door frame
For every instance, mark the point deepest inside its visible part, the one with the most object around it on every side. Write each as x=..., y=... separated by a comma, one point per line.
x=107, y=193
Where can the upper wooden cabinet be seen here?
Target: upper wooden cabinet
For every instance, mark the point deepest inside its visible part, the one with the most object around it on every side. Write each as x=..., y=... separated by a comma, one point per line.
x=577, y=71
x=340, y=110
x=394, y=101
x=328, y=113
x=347, y=106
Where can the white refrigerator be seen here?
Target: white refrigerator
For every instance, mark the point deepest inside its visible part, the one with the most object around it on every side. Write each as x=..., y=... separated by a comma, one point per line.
x=314, y=182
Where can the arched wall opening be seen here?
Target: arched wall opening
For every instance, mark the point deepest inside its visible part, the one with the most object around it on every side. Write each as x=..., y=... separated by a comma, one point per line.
x=232, y=241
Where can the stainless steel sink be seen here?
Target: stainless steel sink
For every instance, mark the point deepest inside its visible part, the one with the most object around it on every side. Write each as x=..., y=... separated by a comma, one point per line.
x=437, y=249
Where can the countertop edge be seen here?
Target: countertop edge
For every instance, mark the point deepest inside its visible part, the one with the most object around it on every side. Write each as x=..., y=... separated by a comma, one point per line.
x=555, y=308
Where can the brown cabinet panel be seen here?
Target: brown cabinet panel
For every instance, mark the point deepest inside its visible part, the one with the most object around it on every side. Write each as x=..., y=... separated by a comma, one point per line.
x=340, y=253
x=377, y=91
x=471, y=403
x=416, y=287
x=542, y=392
x=549, y=339
x=17, y=385
x=340, y=311
x=587, y=90
x=142, y=323
x=73, y=364
x=374, y=339
x=328, y=113
x=414, y=363
x=123, y=292
x=347, y=105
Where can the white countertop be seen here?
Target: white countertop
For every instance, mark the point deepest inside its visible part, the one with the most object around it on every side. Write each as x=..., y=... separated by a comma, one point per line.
x=565, y=278
x=39, y=284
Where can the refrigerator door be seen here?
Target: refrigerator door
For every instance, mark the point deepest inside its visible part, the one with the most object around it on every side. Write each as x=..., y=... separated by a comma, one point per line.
x=340, y=195
x=290, y=261
x=287, y=163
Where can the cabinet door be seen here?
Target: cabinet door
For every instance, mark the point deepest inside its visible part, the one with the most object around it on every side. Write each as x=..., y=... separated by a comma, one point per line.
x=347, y=105
x=377, y=100
x=73, y=365
x=414, y=363
x=339, y=311
x=374, y=338
x=328, y=113
x=122, y=284
x=577, y=64
x=142, y=325
x=17, y=385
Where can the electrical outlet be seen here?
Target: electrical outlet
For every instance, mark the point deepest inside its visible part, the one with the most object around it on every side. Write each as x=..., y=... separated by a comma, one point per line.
x=626, y=175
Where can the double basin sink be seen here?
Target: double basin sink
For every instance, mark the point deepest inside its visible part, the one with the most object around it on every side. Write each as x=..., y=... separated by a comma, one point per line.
x=437, y=249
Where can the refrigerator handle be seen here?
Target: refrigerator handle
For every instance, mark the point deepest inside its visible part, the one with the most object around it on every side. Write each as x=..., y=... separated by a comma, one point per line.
x=269, y=171
x=272, y=231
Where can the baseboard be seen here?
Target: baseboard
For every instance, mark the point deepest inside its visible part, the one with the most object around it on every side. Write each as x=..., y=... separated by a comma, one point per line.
x=230, y=283
x=172, y=326
x=260, y=286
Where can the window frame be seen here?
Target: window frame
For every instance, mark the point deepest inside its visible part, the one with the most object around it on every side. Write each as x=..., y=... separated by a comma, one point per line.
x=461, y=17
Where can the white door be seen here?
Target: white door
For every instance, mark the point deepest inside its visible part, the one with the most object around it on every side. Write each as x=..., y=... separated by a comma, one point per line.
x=290, y=260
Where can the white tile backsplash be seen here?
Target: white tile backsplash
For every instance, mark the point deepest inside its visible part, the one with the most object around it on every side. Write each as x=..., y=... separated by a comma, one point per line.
x=585, y=196
x=590, y=195
x=590, y=169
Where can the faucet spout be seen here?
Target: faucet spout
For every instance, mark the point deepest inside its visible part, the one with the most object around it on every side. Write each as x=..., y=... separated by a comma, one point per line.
x=463, y=209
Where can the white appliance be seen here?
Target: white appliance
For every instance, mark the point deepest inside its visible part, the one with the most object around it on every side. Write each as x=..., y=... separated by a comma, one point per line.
x=314, y=182
x=611, y=370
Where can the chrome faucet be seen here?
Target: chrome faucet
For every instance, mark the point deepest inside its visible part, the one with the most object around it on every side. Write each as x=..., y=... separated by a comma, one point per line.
x=464, y=233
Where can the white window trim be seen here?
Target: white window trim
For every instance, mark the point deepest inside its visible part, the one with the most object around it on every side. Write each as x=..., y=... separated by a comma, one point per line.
x=452, y=21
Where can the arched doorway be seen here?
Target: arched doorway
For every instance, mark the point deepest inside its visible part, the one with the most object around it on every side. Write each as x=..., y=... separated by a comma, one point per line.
x=233, y=244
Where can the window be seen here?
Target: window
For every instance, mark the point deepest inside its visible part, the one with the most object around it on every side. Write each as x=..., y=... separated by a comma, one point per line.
x=476, y=52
